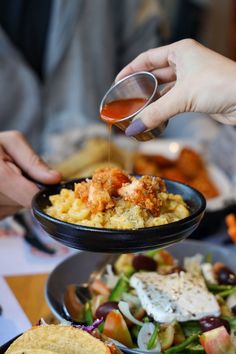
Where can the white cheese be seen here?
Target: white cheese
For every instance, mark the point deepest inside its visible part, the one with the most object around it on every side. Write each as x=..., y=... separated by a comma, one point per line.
x=193, y=264
x=178, y=296
x=208, y=273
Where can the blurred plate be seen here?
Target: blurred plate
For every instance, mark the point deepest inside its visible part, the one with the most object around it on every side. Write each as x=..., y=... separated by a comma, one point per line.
x=77, y=269
x=172, y=148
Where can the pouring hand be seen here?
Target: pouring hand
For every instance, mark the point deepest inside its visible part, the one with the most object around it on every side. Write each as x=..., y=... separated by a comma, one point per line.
x=197, y=80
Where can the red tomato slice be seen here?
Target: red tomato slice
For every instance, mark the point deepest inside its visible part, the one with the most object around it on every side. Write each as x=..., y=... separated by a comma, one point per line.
x=115, y=327
x=217, y=341
x=167, y=257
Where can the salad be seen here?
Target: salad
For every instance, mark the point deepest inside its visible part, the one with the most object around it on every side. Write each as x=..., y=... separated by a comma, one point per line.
x=152, y=303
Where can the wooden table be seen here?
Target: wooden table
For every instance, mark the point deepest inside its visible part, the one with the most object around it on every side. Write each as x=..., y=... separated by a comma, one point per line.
x=29, y=291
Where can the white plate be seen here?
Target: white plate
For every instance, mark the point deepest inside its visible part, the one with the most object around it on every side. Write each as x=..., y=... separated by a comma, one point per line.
x=171, y=150
x=77, y=269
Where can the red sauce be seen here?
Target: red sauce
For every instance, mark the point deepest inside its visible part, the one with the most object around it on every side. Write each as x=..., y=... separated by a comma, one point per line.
x=119, y=109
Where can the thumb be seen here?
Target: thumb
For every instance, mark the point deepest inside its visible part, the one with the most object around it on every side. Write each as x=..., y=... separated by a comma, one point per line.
x=26, y=159
x=157, y=112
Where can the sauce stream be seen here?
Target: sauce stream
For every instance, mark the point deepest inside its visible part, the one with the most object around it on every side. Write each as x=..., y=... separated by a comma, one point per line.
x=119, y=109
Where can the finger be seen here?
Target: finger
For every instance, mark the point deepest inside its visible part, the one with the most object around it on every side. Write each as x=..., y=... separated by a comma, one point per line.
x=15, y=186
x=156, y=113
x=165, y=75
x=24, y=156
x=8, y=211
x=4, y=156
x=166, y=88
x=14, y=168
x=148, y=61
x=226, y=118
x=5, y=200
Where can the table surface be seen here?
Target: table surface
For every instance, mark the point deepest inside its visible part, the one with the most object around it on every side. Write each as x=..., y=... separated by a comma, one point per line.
x=31, y=299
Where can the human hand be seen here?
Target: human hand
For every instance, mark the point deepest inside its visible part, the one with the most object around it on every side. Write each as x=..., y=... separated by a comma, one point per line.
x=197, y=80
x=16, y=156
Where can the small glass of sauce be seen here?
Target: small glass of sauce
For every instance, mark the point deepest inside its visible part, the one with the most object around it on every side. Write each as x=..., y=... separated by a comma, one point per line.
x=127, y=98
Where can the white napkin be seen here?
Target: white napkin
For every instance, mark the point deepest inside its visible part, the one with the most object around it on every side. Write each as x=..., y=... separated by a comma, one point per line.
x=17, y=257
x=13, y=320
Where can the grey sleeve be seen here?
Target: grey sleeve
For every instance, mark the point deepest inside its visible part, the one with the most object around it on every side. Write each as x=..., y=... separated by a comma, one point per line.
x=138, y=27
x=20, y=101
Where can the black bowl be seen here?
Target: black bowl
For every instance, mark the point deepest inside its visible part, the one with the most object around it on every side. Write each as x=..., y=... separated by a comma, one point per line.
x=120, y=241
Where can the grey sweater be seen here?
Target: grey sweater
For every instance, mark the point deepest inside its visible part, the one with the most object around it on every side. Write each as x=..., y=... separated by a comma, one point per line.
x=88, y=42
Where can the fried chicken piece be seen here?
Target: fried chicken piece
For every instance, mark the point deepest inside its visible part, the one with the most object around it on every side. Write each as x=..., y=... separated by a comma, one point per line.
x=162, y=161
x=96, y=198
x=97, y=193
x=152, y=165
x=144, y=165
x=99, y=199
x=82, y=190
x=190, y=162
x=144, y=192
x=110, y=179
x=174, y=174
x=204, y=184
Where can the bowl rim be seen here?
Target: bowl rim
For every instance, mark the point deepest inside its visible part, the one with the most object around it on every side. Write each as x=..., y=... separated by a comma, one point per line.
x=38, y=212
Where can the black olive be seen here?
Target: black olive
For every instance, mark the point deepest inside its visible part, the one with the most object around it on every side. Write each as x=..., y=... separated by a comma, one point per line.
x=141, y=262
x=233, y=309
x=226, y=276
x=105, y=308
x=211, y=322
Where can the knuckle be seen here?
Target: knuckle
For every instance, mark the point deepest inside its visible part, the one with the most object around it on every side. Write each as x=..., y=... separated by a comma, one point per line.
x=189, y=42
x=15, y=134
x=151, y=51
x=149, y=54
x=143, y=57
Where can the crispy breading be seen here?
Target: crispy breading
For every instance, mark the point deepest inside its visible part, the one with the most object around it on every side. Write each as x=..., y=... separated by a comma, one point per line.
x=144, y=192
x=98, y=192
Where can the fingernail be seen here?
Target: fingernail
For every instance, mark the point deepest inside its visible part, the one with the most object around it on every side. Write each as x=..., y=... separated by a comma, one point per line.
x=53, y=173
x=136, y=127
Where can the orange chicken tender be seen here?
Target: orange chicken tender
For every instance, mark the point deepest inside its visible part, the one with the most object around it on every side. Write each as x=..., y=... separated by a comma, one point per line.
x=144, y=192
x=98, y=192
x=110, y=179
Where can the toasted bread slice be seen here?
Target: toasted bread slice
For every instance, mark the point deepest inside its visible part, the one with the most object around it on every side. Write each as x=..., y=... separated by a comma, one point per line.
x=58, y=339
